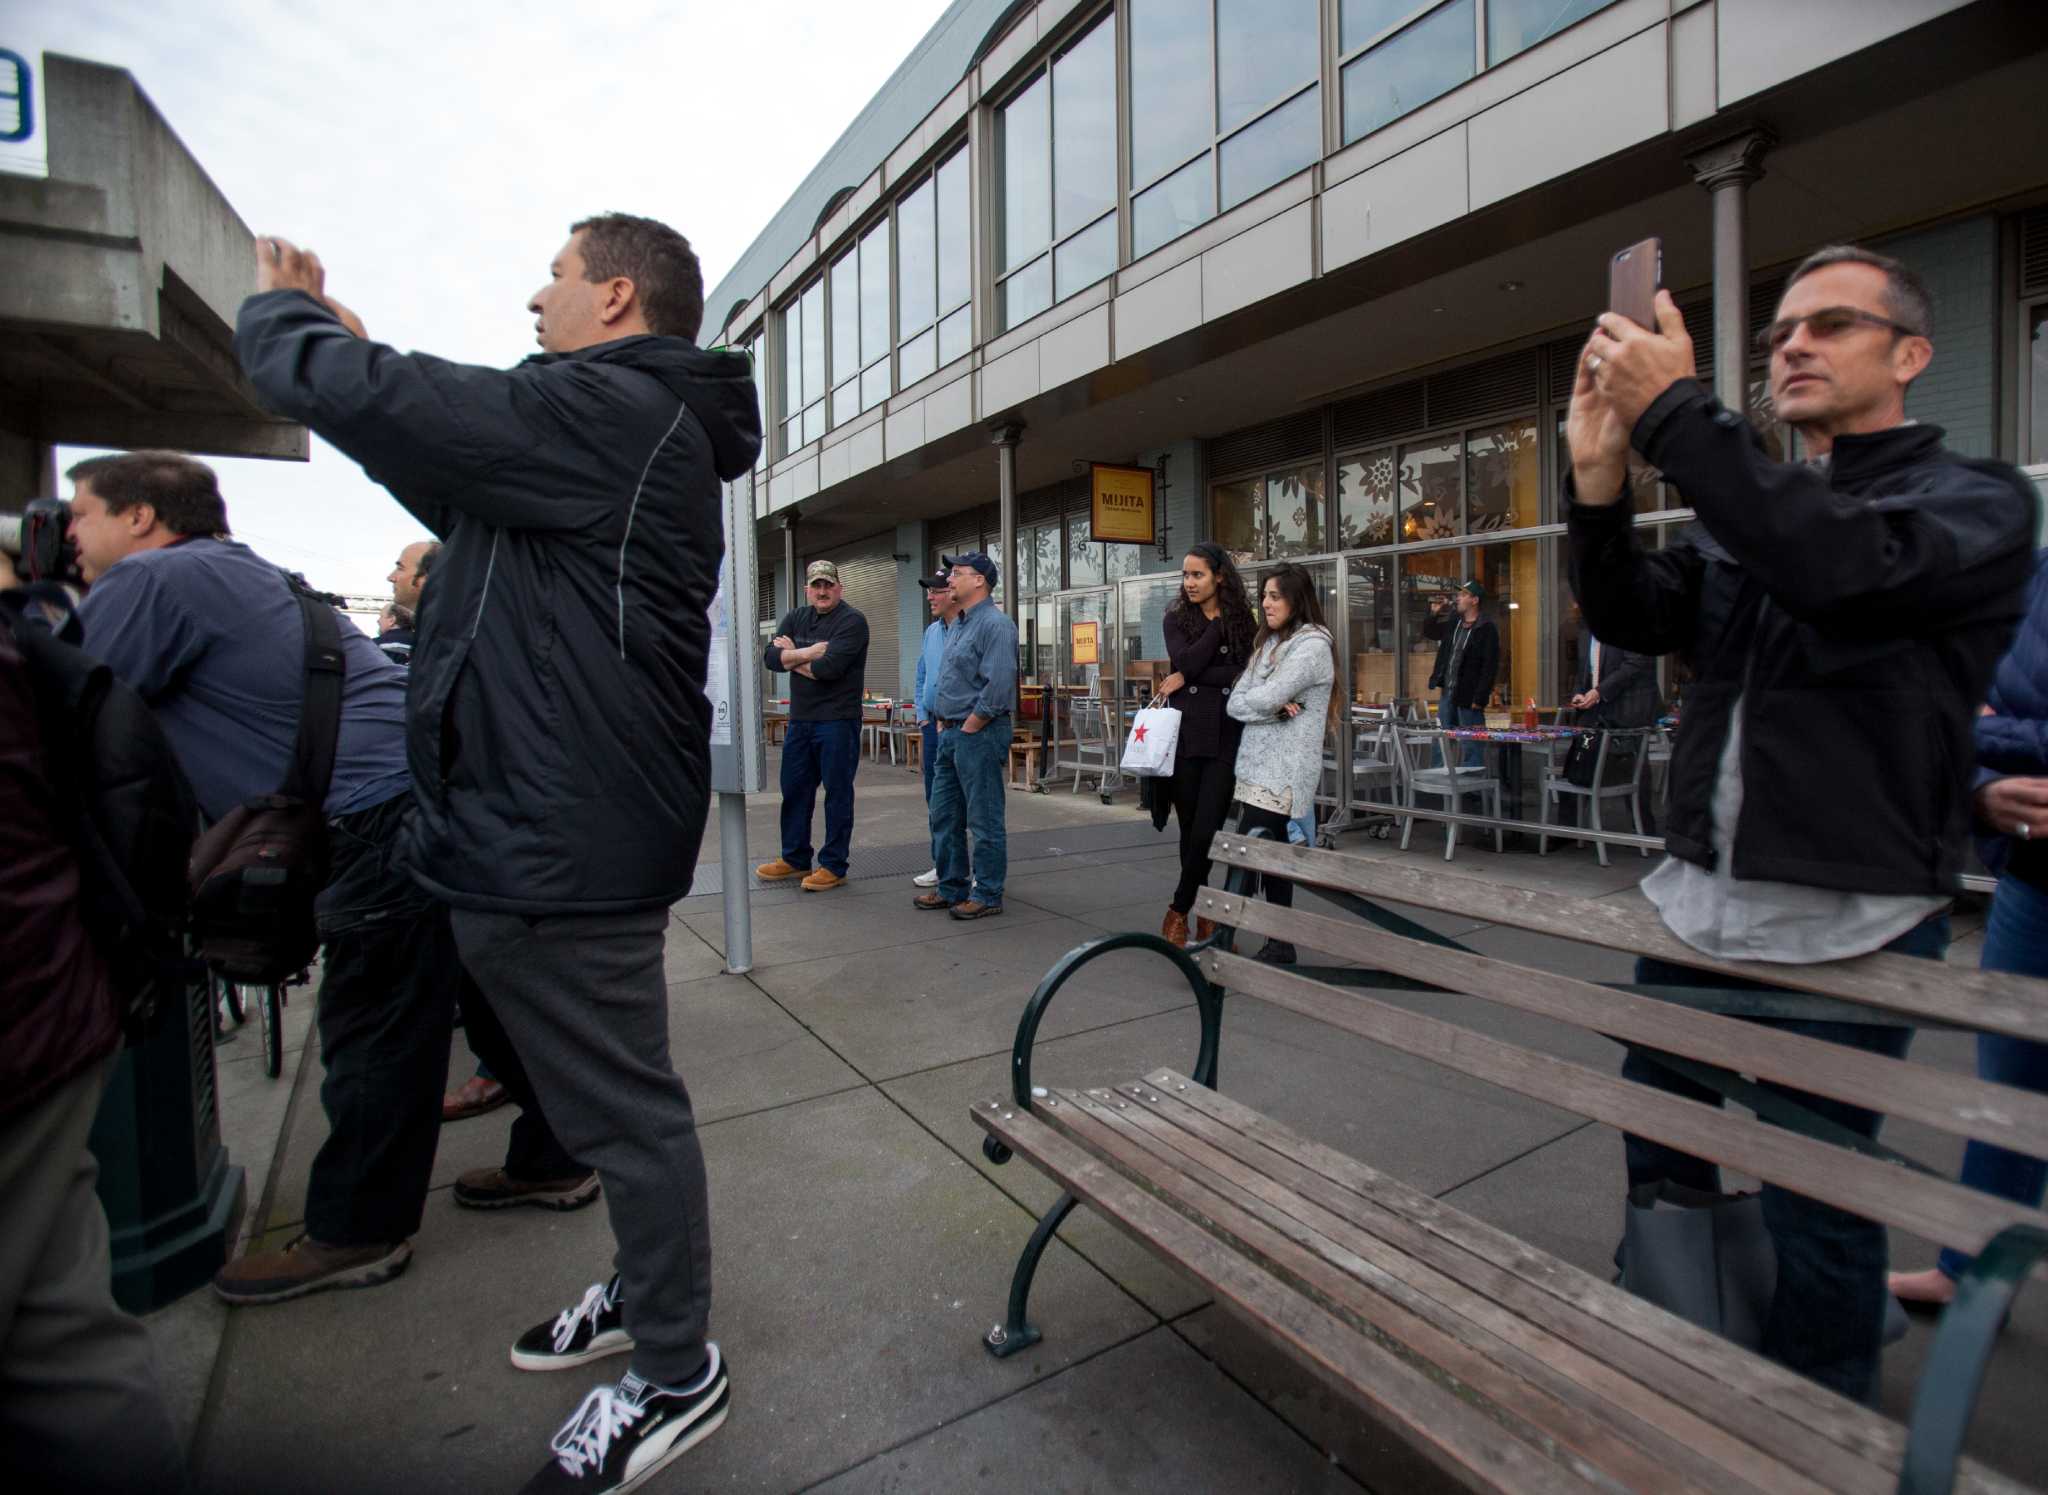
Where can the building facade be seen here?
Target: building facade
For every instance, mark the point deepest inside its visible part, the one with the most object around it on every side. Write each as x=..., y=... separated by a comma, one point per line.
x=1325, y=265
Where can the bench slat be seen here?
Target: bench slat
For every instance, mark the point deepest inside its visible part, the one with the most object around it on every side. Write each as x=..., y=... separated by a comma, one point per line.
x=1825, y=1436
x=1930, y=1207
x=1959, y=1104
x=1453, y=1434
x=1992, y=1001
x=1669, y=1433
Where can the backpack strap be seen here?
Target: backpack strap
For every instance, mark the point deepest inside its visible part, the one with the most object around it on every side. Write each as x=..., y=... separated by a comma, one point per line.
x=312, y=767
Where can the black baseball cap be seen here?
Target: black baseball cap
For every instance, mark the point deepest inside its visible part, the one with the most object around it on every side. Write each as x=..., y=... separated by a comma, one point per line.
x=933, y=582
x=976, y=560
x=1475, y=589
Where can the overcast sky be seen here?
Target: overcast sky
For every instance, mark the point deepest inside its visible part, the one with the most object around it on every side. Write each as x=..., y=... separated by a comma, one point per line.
x=435, y=152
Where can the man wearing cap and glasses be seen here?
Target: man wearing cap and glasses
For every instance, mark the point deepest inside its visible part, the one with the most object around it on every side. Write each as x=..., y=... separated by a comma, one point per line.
x=1842, y=617
x=938, y=594
x=1467, y=661
x=977, y=690
x=824, y=647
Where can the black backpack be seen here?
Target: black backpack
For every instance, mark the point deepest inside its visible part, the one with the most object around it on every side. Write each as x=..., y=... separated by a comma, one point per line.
x=123, y=796
x=256, y=873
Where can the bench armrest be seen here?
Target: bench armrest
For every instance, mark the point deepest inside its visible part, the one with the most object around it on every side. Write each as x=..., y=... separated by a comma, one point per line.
x=1947, y=1398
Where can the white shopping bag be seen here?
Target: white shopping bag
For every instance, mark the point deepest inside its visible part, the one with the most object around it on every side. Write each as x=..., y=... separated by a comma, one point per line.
x=1148, y=751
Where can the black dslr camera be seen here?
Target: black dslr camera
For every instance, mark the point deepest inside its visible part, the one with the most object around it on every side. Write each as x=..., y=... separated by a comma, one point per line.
x=39, y=539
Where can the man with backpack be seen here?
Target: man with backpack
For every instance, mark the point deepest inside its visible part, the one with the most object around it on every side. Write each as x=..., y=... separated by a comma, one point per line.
x=212, y=637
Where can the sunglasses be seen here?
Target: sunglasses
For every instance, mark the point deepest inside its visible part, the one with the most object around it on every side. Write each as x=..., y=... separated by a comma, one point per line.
x=1828, y=322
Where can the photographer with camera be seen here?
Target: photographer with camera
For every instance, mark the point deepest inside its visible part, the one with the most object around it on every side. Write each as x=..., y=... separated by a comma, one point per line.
x=211, y=635
x=1842, y=617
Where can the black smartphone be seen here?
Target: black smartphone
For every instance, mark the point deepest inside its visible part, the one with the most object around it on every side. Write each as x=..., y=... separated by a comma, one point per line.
x=1634, y=276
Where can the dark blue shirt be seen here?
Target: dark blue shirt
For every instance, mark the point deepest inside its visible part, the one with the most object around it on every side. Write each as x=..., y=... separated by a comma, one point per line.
x=210, y=635
x=978, y=675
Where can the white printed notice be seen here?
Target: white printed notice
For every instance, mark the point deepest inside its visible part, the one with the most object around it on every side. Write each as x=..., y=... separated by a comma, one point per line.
x=718, y=672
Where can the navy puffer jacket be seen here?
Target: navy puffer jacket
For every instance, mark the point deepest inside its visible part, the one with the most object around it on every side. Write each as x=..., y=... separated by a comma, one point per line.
x=2013, y=740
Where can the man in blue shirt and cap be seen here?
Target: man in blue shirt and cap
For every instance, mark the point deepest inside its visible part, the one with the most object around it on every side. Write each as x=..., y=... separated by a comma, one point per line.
x=972, y=710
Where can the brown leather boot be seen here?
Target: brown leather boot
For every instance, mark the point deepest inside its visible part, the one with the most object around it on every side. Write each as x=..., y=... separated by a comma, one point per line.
x=1175, y=928
x=1205, y=929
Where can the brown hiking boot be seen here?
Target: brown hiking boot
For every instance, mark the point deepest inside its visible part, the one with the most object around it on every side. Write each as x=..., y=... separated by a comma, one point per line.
x=1175, y=929
x=305, y=1266
x=820, y=880
x=931, y=903
x=974, y=908
x=494, y=1188
x=1205, y=929
x=778, y=871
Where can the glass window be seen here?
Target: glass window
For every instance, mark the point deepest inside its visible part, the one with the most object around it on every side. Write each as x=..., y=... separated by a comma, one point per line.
x=1264, y=48
x=1284, y=142
x=1365, y=499
x=814, y=343
x=803, y=367
x=956, y=335
x=1085, y=258
x=1045, y=552
x=846, y=400
x=917, y=262
x=1429, y=485
x=955, y=262
x=1428, y=580
x=1161, y=214
x=757, y=350
x=1512, y=575
x=1119, y=561
x=1025, y=294
x=1234, y=516
x=920, y=356
x=874, y=294
x=1370, y=619
x=1084, y=131
x=1084, y=556
x=846, y=317
x=1359, y=21
x=1294, y=513
x=1516, y=25
x=1503, y=471
x=1169, y=50
x=1410, y=68
x=1023, y=154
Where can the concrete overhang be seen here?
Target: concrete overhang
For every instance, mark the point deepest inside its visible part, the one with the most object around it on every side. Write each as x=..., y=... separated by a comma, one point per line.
x=123, y=272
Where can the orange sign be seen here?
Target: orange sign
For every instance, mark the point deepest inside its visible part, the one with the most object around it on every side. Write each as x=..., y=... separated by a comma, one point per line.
x=1122, y=504
x=1087, y=643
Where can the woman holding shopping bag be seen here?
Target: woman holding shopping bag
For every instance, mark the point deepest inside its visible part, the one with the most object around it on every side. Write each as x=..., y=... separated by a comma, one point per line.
x=1284, y=700
x=1209, y=632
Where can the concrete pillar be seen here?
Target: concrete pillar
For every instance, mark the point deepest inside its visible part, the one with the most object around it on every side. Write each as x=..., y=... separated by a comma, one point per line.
x=1726, y=170
x=1005, y=437
x=28, y=469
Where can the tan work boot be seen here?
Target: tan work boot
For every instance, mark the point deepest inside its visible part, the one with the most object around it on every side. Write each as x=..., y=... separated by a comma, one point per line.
x=820, y=880
x=1175, y=928
x=305, y=1266
x=777, y=871
x=1205, y=929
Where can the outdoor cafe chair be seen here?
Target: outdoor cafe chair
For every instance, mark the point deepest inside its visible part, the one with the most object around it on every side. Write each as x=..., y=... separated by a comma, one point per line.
x=1625, y=748
x=1415, y=749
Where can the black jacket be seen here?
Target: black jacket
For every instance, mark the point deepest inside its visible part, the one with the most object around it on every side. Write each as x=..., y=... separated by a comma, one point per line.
x=1205, y=658
x=1628, y=685
x=557, y=726
x=1478, y=668
x=1856, y=611
x=832, y=691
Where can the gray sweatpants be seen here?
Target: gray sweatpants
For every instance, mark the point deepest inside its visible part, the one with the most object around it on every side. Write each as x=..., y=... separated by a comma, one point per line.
x=584, y=1002
x=80, y=1405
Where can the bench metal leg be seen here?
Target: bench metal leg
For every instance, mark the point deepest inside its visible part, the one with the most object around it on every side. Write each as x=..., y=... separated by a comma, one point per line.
x=1005, y=1339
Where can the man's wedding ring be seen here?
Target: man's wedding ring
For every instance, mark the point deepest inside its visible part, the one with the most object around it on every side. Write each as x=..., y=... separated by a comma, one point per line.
x=1593, y=361
x=2023, y=830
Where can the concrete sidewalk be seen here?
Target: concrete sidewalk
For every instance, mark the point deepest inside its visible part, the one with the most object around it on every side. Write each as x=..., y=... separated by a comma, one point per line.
x=863, y=1245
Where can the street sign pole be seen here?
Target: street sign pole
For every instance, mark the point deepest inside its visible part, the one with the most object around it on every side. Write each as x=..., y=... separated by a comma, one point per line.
x=738, y=759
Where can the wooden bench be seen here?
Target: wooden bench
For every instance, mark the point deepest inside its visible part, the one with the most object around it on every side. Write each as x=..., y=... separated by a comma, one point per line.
x=1505, y=1367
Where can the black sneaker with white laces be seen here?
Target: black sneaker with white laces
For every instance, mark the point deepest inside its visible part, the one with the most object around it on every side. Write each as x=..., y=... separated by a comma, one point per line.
x=622, y=1435
x=593, y=1329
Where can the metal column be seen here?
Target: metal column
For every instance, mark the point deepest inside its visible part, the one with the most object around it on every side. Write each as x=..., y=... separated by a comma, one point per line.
x=793, y=585
x=1726, y=170
x=1005, y=437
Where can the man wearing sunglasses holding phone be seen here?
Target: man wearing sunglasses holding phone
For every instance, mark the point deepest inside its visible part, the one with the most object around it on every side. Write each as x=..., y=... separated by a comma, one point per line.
x=1842, y=615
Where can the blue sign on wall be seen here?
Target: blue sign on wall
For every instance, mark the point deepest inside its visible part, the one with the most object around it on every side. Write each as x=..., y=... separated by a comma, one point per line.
x=17, y=97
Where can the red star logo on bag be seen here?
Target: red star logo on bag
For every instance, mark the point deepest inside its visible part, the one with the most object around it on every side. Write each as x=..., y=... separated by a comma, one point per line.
x=1138, y=733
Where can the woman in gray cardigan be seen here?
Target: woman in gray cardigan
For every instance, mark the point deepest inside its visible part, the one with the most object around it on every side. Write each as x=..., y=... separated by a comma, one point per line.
x=1283, y=698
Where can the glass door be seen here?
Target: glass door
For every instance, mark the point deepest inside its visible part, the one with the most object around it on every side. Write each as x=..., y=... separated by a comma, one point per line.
x=1082, y=721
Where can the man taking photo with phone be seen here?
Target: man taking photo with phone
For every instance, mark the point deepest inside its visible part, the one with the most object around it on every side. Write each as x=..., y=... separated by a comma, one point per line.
x=1842, y=615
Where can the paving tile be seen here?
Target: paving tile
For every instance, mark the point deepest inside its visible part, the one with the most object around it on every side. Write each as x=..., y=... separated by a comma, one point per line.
x=852, y=1251
x=844, y=921
x=1564, y=1197
x=1145, y=1416
x=1078, y=890
x=892, y=1011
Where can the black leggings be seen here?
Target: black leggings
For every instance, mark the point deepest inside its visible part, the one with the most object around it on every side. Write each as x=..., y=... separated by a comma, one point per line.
x=1201, y=790
x=1279, y=891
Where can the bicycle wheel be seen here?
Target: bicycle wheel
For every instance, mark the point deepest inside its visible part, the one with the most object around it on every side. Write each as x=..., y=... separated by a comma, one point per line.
x=231, y=996
x=272, y=1007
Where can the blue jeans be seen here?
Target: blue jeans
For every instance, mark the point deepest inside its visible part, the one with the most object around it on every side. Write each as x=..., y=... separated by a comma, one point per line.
x=1463, y=716
x=967, y=796
x=817, y=753
x=2015, y=939
x=929, y=731
x=1827, y=1316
